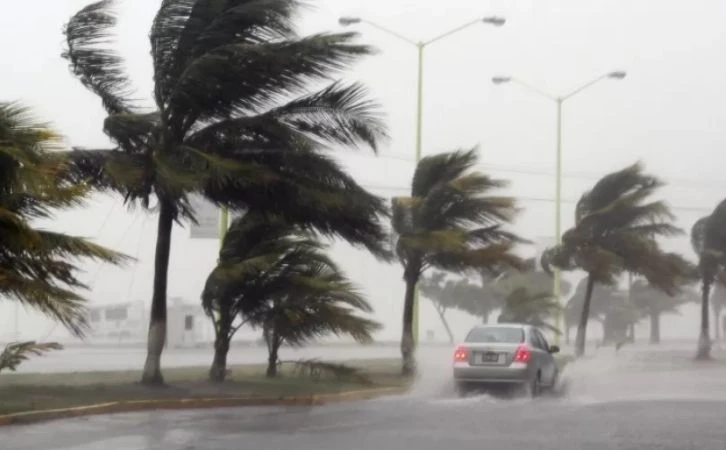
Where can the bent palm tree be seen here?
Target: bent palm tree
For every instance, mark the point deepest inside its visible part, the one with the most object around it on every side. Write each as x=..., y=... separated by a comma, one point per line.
x=275, y=276
x=654, y=303
x=450, y=223
x=36, y=265
x=234, y=122
x=616, y=226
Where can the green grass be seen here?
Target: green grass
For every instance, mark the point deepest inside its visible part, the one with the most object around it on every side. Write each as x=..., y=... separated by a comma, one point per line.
x=29, y=392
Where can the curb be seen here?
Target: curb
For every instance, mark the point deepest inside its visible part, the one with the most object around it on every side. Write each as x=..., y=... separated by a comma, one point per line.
x=192, y=403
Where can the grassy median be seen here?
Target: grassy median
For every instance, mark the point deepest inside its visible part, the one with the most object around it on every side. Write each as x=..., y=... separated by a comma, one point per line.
x=31, y=392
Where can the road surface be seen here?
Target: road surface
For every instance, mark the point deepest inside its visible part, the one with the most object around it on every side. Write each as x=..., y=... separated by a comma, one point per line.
x=635, y=400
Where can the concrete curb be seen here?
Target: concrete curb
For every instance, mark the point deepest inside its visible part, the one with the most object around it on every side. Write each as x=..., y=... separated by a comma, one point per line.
x=192, y=403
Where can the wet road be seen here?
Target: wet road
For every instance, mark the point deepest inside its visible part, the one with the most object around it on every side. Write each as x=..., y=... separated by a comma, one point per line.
x=636, y=400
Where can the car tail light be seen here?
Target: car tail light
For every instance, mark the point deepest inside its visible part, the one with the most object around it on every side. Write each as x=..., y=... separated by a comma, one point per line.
x=461, y=354
x=522, y=354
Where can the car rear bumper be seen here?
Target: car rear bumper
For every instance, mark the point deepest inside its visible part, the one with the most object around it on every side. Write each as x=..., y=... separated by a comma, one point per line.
x=514, y=373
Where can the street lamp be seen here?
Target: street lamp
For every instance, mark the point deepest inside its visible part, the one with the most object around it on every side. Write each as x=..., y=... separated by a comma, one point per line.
x=420, y=46
x=559, y=100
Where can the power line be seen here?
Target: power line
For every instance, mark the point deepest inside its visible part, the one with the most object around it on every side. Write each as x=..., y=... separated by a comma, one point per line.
x=532, y=199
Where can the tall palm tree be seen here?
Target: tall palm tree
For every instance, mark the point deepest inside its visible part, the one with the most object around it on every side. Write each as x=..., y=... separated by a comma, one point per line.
x=277, y=277
x=616, y=227
x=37, y=266
x=234, y=120
x=449, y=222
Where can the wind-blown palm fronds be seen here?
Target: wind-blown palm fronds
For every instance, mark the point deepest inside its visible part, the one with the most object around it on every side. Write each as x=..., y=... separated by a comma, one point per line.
x=37, y=266
x=236, y=120
x=616, y=226
x=450, y=222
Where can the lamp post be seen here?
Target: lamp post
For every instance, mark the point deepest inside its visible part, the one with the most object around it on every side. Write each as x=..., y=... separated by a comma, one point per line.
x=420, y=47
x=559, y=101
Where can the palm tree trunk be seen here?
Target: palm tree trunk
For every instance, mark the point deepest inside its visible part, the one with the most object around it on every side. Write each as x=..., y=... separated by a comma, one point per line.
x=654, y=328
x=272, y=357
x=407, y=342
x=441, y=312
x=218, y=371
x=704, y=340
x=157, y=323
x=584, y=317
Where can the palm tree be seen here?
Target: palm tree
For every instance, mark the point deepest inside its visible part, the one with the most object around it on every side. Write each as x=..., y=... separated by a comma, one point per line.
x=708, y=240
x=616, y=226
x=234, y=121
x=276, y=276
x=450, y=223
x=718, y=303
x=37, y=266
x=534, y=308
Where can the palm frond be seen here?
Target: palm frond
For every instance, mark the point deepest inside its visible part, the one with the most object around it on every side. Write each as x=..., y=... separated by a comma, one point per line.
x=441, y=169
x=15, y=353
x=100, y=69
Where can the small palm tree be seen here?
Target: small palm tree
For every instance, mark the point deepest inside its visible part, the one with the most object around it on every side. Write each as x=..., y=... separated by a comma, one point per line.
x=276, y=276
x=37, y=266
x=234, y=120
x=449, y=222
x=530, y=307
x=616, y=226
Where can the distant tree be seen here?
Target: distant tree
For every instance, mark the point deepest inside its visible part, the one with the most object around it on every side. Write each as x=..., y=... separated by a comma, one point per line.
x=277, y=277
x=476, y=300
x=653, y=303
x=435, y=289
x=530, y=307
x=237, y=119
x=450, y=222
x=616, y=226
x=602, y=297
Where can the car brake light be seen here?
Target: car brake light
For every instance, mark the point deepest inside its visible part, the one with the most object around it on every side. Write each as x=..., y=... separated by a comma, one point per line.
x=461, y=354
x=523, y=354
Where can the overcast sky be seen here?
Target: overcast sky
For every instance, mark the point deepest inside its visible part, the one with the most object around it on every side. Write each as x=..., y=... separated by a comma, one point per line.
x=666, y=113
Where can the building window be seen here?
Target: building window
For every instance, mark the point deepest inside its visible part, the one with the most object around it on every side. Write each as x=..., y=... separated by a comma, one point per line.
x=188, y=322
x=119, y=313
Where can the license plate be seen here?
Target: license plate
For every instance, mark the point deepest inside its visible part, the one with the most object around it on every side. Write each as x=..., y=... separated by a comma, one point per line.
x=489, y=357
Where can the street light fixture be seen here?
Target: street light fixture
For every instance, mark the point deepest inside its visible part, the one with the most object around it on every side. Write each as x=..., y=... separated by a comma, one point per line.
x=420, y=46
x=559, y=100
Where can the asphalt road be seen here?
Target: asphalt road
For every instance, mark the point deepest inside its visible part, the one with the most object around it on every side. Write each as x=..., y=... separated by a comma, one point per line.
x=636, y=400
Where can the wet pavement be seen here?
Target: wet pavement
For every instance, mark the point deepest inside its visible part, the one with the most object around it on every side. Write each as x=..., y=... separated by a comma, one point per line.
x=636, y=399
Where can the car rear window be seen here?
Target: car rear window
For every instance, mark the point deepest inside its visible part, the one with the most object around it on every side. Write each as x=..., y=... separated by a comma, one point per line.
x=503, y=335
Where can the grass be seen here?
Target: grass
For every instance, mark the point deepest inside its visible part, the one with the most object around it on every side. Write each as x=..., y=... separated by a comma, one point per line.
x=29, y=392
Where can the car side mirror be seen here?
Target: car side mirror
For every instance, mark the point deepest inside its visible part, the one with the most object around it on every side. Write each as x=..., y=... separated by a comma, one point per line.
x=554, y=349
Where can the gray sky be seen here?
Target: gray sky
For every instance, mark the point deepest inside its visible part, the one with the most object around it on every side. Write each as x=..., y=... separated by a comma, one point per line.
x=666, y=113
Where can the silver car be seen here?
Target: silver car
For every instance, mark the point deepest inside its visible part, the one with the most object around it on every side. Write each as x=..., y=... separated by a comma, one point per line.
x=505, y=354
